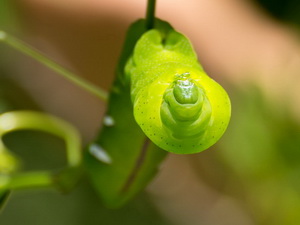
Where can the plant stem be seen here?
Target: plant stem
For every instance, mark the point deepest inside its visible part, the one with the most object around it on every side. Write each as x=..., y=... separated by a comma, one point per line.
x=30, y=51
x=150, y=14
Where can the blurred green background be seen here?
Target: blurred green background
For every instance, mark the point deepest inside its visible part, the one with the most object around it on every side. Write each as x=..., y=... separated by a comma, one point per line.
x=250, y=177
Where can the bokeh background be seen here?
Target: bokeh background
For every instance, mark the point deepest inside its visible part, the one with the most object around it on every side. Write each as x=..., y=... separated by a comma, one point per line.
x=251, y=47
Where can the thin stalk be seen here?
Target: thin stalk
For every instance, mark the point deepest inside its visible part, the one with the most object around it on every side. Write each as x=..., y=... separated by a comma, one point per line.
x=30, y=51
x=150, y=14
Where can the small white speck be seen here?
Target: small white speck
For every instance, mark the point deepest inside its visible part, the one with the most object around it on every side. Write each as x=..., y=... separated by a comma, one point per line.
x=108, y=121
x=2, y=35
x=99, y=153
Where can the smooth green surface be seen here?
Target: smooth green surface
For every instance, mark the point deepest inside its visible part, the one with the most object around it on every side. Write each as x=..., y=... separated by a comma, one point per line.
x=161, y=57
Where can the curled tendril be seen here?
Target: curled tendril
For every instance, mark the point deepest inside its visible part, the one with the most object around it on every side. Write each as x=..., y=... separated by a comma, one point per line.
x=11, y=178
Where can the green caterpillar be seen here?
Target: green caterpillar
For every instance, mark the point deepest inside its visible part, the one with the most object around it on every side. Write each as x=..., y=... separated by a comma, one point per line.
x=161, y=93
x=176, y=104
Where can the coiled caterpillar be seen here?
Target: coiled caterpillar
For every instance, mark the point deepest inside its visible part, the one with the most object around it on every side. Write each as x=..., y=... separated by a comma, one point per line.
x=176, y=104
x=161, y=93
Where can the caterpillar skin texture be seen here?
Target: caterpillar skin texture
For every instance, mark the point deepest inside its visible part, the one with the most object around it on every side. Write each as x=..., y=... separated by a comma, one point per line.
x=177, y=105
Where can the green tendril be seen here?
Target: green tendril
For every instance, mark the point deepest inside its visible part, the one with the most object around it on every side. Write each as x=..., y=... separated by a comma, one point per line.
x=30, y=120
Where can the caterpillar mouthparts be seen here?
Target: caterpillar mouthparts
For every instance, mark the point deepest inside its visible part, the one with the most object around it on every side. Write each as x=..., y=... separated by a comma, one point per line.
x=185, y=111
x=184, y=90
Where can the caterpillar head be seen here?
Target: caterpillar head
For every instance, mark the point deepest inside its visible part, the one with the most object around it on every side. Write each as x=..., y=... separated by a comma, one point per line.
x=177, y=105
x=185, y=113
x=185, y=110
